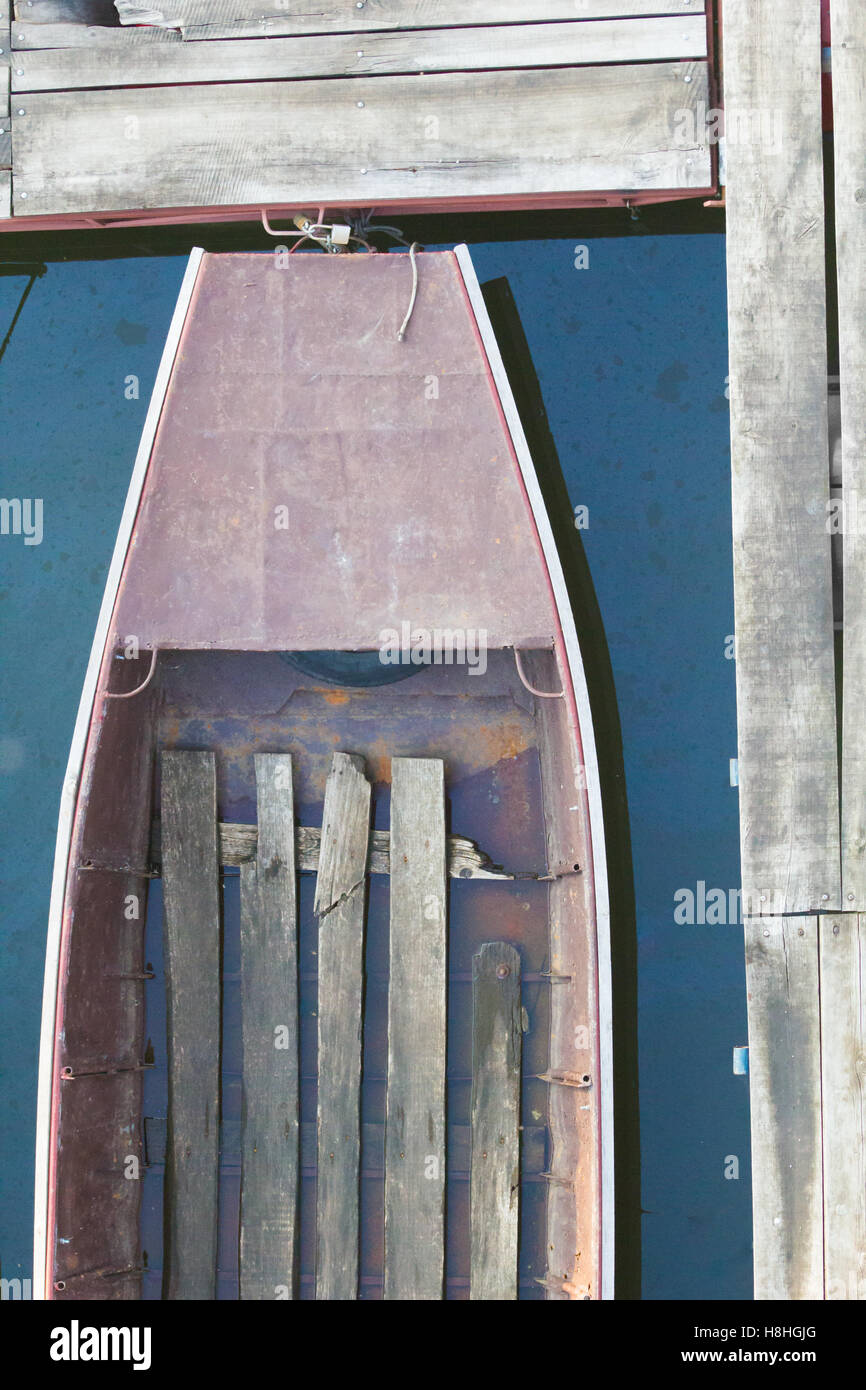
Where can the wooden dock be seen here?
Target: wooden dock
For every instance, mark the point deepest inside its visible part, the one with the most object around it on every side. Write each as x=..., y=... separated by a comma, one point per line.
x=801, y=779
x=209, y=109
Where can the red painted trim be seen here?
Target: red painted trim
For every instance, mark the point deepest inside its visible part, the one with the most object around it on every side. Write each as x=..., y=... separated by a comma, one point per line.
x=568, y=688
x=251, y=212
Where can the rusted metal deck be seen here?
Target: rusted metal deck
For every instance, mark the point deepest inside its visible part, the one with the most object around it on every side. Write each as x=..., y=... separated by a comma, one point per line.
x=195, y=109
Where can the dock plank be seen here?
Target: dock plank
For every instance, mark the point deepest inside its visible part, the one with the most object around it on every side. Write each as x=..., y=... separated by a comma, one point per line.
x=782, y=982
x=505, y=133
x=417, y=1000
x=432, y=50
x=497, y=1040
x=843, y=1061
x=788, y=789
x=201, y=19
x=340, y=908
x=192, y=965
x=27, y=36
x=269, y=1003
x=848, y=21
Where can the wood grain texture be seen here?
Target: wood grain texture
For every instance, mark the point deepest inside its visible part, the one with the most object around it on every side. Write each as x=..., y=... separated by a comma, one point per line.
x=848, y=20
x=5, y=193
x=789, y=805
x=340, y=907
x=448, y=134
x=237, y=843
x=417, y=1000
x=191, y=931
x=432, y=50
x=785, y=1089
x=843, y=1090
x=497, y=1041
x=269, y=1001
x=216, y=18
x=65, y=11
x=27, y=36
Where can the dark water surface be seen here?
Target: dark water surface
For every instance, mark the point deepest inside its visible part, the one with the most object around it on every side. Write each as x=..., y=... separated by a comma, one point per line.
x=631, y=355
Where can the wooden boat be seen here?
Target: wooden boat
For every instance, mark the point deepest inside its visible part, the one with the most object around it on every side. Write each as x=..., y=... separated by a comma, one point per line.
x=324, y=1061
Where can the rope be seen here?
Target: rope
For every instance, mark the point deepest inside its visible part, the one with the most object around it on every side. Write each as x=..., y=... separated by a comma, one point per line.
x=405, y=324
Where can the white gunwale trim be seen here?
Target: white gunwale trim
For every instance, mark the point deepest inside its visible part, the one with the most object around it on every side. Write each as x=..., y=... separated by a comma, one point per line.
x=581, y=693
x=71, y=781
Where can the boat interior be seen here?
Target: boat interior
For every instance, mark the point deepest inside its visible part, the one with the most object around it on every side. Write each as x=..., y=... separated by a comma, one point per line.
x=512, y=784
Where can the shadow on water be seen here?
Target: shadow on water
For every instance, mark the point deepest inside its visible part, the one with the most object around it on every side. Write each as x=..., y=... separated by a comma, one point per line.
x=608, y=735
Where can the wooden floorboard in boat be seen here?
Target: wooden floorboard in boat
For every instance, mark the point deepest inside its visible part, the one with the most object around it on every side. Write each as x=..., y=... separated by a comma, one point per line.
x=495, y=1172
x=340, y=908
x=192, y=964
x=269, y=1007
x=417, y=1001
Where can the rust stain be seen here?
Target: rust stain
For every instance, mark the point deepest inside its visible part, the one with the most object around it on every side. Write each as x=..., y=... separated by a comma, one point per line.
x=336, y=697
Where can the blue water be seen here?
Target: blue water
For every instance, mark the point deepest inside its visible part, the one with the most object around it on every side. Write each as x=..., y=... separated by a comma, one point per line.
x=631, y=354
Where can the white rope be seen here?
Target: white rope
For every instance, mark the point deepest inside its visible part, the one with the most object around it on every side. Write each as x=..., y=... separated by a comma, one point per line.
x=405, y=324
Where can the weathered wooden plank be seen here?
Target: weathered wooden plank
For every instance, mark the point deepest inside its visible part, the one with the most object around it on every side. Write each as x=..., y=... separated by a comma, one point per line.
x=269, y=997
x=339, y=906
x=66, y=11
x=842, y=942
x=5, y=193
x=417, y=1000
x=534, y=1148
x=5, y=146
x=789, y=805
x=215, y=18
x=27, y=36
x=785, y=1088
x=237, y=843
x=848, y=21
x=497, y=1039
x=432, y=50
x=496, y=133
x=192, y=967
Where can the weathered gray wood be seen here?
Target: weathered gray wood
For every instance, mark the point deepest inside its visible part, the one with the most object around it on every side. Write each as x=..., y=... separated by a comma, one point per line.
x=65, y=11
x=191, y=932
x=5, y=193
x=842, y=941
x=269, y=995
x=417, y=1000
x=789, y=805
x=496, y=133
x=848, y=20
x=785, y=1088
x=339, y=905
x=432, y=50
x=497, y=1039
x=33, y=36
x=239, y=17
x=5, y=148
x=238, y=843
